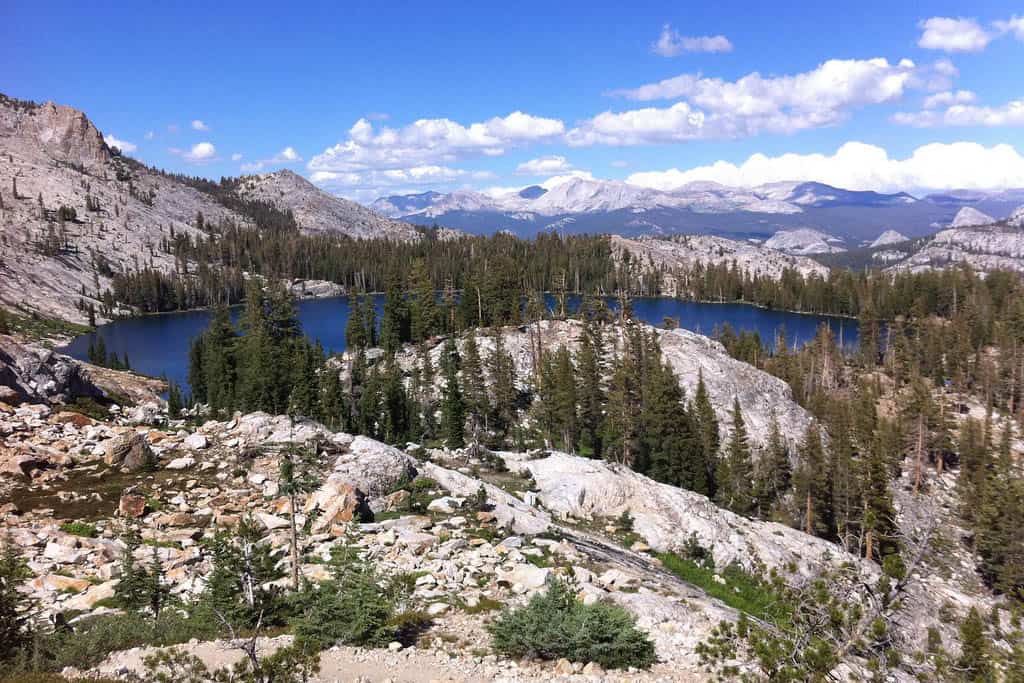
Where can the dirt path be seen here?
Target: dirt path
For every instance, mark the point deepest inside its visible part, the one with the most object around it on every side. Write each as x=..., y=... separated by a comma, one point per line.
x=411, y=665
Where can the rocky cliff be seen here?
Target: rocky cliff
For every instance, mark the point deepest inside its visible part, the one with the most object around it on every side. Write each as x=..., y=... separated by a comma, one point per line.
x=669, y=255
x=52, y=156
x=317, y=211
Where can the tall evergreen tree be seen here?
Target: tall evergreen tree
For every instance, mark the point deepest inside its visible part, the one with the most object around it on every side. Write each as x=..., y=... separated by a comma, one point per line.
x=735, y=470
x=707, y=430
x=453, y=407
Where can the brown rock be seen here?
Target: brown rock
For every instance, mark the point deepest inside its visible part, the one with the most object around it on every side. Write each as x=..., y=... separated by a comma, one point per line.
x=396, y=500
x=77, y=419
x=19, y=465
x=56, y=582
x=338, y=503
x=132, y=505
x=131, y=451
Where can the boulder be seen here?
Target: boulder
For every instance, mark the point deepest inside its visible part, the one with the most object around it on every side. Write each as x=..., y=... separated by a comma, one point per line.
x=525, y=576
x=131, y=505
x=181, y=463
x=130, y=451
x=196, y=442
x=337, y=502
x=30, y=374
x=58, y=583
x=20, y=465
x=373, y=467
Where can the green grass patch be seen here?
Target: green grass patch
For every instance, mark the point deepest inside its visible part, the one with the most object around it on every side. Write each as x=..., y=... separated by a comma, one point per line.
x=742, y=590
x=484, y=604
x=83, y=529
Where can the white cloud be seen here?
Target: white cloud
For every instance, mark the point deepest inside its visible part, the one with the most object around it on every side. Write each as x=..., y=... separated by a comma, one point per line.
x=237, y=156
x=287, y=155
x=712, y=108
x=619, y=163
x=547, y=165
x=201, y=152
x=966, y=34
x=1014, y=25
x=252, y=167
x=671, y=44
x=859, y=166
x=149, y=135
x=123, y=145
x=377, y=182
x=199, y=125
x=431, y=142
x=1010, y=114
x=172, y=128
x=947, y=98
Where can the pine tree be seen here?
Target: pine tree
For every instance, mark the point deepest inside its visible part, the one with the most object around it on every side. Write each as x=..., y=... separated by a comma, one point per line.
x=975, y=655
x=773, y=471
x=425, y=315
x=501, y=373
x=811, y=484
x=453, y=408
x=707, y=430
x=474, y=388
x=590, y=389
x=15, y=627
x=735, y=469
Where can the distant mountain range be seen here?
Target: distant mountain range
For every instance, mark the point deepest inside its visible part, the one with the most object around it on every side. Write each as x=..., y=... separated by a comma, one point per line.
x=588, y=205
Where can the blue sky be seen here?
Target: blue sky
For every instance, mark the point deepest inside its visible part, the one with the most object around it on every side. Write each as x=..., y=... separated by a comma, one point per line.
x=887, y=95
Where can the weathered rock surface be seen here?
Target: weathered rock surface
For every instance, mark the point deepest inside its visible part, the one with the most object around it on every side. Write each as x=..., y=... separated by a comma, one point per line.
x=33, y=374
x=690, y=355
x=318, y=211
x=130, y=451
x=669, y=255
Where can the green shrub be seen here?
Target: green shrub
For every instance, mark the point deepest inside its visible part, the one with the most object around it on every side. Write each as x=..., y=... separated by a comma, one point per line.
x=354, y=608
x=95, y=638
x=83, y=529
x=555, y=625
x=741, y=590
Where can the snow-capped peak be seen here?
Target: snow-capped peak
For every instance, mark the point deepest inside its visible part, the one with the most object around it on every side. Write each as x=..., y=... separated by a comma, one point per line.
x=969, y=217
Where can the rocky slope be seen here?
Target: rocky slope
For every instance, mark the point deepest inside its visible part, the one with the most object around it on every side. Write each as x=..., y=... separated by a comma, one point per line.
x=804, y=242
x=969, y=216
x=669, y=255
x=52, y=156
x=691, y=355
x=888, y=238
x=318, y=211
x=985, y=247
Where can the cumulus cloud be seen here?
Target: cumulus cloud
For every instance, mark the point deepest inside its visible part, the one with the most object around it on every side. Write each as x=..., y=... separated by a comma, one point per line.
x=199, y=125
x=671, y=44
x=201, y=152
x=431, y=142
x=1014, y=25
x=237, y=156
x=376, y=182
x=948, y=97
x=287, y=155
x=123, y=145
x=149, y=135
x=712, y=108
x=1010, y=114
x=860, y=166
x=964, y=34
x=547, y=165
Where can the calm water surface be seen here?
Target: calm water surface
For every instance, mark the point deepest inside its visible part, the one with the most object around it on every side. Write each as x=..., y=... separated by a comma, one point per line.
x=159, y=344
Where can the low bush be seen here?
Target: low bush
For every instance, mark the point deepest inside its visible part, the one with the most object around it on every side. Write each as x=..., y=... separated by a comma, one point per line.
x=555, y=625
x=356, y=607
x=83, y=529
x=93, y=639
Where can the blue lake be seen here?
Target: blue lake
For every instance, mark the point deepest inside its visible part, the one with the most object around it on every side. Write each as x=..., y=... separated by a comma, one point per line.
x=159, y=344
